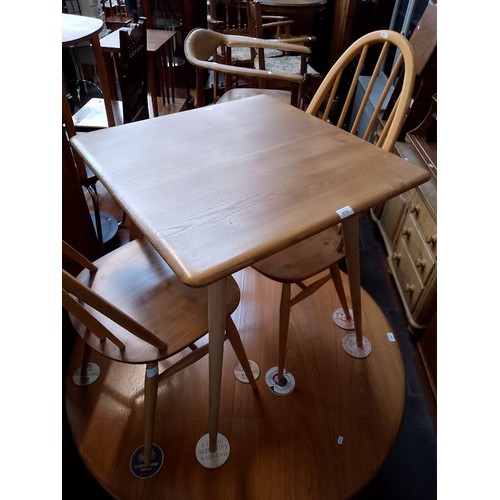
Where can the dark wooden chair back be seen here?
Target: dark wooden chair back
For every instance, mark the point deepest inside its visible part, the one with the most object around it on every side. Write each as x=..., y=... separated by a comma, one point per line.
x=228, y=16
x=133, y=72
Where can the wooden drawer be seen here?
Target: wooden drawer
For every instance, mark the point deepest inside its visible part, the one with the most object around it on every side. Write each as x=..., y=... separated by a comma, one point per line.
x=392, y=214
x=418, y=249
x=425, y=221
x=406, y=275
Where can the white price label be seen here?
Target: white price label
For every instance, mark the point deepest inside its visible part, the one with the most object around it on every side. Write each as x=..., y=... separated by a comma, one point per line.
x=345, y=212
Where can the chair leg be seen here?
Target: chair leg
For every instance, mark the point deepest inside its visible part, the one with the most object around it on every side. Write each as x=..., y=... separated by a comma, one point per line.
x=337, y=283
x=85, y=359
x=122, y=220
x=150, y=396
x=285, y=307
x=235, y=339
x=97, y=213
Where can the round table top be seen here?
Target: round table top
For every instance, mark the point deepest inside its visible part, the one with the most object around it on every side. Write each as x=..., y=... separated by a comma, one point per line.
x=77, y=28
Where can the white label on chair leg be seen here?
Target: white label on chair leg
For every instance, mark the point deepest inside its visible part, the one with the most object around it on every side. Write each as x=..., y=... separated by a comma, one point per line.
x=345, y=212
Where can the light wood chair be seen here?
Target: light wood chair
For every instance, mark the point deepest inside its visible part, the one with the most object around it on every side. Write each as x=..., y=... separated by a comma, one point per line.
x=130, y=307
x=231, y=18
x=333, y=102
x=200, y=46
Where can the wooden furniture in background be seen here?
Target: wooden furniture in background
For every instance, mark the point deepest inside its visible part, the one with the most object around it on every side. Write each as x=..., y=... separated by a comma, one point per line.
x=227, y=16
x=77, y=29
x=129, y=307
x=321, y=253
x=77, y=226
x=106, y=226
x=311, y=18
x=201, y=44
x=232, y=17
x=116, y=14
x=159, y=59
x=408, y=223
x=133, y=80
x=217, y=216
x=181, y=16
x=282, y=63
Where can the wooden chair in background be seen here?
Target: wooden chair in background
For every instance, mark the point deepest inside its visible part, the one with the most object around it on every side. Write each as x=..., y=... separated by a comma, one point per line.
x=201, y=44
x=333, y=102
x=133, y=83
x=105, y=225
x=129, y=307
x=285, y=62
x=231, y=18
x=133, y=106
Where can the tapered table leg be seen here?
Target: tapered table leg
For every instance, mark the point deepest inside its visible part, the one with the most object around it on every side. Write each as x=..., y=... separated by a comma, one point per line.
x=212, y=449
x=354, y=343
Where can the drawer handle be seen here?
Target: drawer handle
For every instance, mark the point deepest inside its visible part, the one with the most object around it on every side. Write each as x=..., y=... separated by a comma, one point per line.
x=409, y=288
x=407, y=231
x=432, y=240
x=396, y=256
x=421, y=263
x=415, y=208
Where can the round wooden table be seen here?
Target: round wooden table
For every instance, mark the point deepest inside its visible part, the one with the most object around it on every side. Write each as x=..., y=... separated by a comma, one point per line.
x=76, y=29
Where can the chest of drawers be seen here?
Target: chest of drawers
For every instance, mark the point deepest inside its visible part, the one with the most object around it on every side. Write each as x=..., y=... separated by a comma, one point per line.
x=408, y=224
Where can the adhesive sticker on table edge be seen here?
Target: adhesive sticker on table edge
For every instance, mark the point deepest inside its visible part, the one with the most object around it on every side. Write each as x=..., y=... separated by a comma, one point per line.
x=340, y=319
x=218, y=457
x=272, y=382
x=345, y=212
x=241, y=375
x=137, y=462
x=93, y=372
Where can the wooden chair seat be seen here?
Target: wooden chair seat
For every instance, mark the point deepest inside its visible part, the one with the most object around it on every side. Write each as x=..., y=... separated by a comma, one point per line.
x=304, y=259
x=136, y=280
x=242, y=93
x=130, y=307
x=92, y=116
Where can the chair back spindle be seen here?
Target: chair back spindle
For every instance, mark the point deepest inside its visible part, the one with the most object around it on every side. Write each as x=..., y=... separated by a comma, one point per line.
x=401, y=77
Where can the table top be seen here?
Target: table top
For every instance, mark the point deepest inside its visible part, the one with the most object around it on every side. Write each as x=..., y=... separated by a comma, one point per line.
x=218, y=188
x=78, y=28
x=155, y=39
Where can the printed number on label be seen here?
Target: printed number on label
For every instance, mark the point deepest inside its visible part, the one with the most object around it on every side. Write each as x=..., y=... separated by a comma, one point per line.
x=345, y=212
